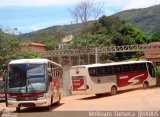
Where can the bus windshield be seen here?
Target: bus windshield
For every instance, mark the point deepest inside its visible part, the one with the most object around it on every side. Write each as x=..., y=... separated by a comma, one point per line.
x=26, y=78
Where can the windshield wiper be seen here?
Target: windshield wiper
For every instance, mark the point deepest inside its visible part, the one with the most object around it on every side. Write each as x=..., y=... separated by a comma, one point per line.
x=30, y=84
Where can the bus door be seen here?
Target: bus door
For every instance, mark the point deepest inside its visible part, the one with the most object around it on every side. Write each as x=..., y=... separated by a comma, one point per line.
x=151, y=72
x=54, y=83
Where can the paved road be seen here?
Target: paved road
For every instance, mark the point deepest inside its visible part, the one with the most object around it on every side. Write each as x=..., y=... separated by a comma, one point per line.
x=135, y=100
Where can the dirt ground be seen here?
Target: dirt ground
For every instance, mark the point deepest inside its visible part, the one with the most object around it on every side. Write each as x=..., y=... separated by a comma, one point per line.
x=140, y=99
x=135, y=100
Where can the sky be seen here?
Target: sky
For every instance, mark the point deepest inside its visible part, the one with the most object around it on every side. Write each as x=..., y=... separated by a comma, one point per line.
x=32, y=15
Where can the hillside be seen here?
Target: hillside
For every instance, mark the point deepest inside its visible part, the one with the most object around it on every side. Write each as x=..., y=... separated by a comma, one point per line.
x=50, y=33
x=146, y=19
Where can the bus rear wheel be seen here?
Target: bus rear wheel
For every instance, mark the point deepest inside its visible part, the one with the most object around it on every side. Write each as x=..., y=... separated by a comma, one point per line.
x=145, y=85
x=17, y=109
x=113, y=90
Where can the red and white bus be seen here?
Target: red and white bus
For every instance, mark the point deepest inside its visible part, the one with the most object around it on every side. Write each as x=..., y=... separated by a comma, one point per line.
x=111, y=77
x=33, y=83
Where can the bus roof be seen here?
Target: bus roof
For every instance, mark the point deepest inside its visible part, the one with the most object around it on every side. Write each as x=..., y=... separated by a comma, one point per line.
x=36, y=60
x=108, y=64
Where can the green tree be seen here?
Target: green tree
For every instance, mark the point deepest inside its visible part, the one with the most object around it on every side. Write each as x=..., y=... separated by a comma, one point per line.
x=52, y=45
x=136, y=34
x=155, y=37
x=112, y=24
x=8, y=49
x=26, y=55
x=91, y=41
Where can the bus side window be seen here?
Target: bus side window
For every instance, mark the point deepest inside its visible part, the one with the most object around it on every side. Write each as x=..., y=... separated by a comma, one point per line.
x=151, y=70
x=126, y=68
x=100, y=71
x=49, y=73
x=142, y=66
x=107, y=70
x=135, y=67
x=92, y=71
x=116, y=69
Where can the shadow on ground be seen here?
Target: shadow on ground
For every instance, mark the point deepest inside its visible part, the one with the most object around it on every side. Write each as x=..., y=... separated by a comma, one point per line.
x=108, y=94
x=38, y=109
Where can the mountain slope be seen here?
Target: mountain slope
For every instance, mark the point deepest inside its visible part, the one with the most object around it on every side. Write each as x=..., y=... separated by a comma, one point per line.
x=50, y=32
x=146, y=19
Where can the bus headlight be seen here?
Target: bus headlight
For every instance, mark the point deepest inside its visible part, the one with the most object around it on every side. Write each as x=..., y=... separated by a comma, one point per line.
x=12, y=99
x=41, y=98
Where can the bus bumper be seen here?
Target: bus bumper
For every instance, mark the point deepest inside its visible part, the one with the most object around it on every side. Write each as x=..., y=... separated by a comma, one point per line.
x=37, y=103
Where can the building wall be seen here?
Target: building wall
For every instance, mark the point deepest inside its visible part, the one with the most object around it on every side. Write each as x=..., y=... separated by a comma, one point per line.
x=151, y=55
x=34, y=47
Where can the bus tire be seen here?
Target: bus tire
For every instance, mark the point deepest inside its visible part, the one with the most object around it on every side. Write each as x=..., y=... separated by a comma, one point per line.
x=145, y=85
x=18, y=109
x=48, y=107
x=51, y=100
x=113, y=90
x=58, y=102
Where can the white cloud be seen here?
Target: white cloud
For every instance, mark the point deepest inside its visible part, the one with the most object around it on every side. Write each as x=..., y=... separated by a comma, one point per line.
x=110, y=7
x=126, y=4
x=130, y=4
x=139, y=4
x=34, y=3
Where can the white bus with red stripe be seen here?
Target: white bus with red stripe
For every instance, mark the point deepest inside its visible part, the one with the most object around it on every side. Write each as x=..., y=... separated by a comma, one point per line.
x=33, y=83
x=111, y=77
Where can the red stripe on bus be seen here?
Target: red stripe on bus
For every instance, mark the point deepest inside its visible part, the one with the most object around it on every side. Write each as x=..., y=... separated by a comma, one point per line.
x=77, y=82
x=134, y=78
x=23, y=95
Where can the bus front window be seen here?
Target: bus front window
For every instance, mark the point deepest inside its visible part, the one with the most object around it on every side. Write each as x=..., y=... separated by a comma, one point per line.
x=36, y=81
x=17, y=78
x=26, y=78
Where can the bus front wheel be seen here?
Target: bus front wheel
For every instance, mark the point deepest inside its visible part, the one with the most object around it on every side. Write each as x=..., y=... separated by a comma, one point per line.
x=145, y=85
x=58, y=102
x=17, y=109
x=113, y=90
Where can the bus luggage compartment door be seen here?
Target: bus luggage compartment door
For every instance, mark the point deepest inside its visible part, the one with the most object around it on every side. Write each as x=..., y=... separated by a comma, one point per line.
x=78, y=83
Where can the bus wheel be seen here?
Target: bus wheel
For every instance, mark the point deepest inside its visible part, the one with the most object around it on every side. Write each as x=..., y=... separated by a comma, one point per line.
x=17, y=109
x=48, y=107
x=51, y=100
x=145, y=85
x=58, y=102
x=113, y=90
